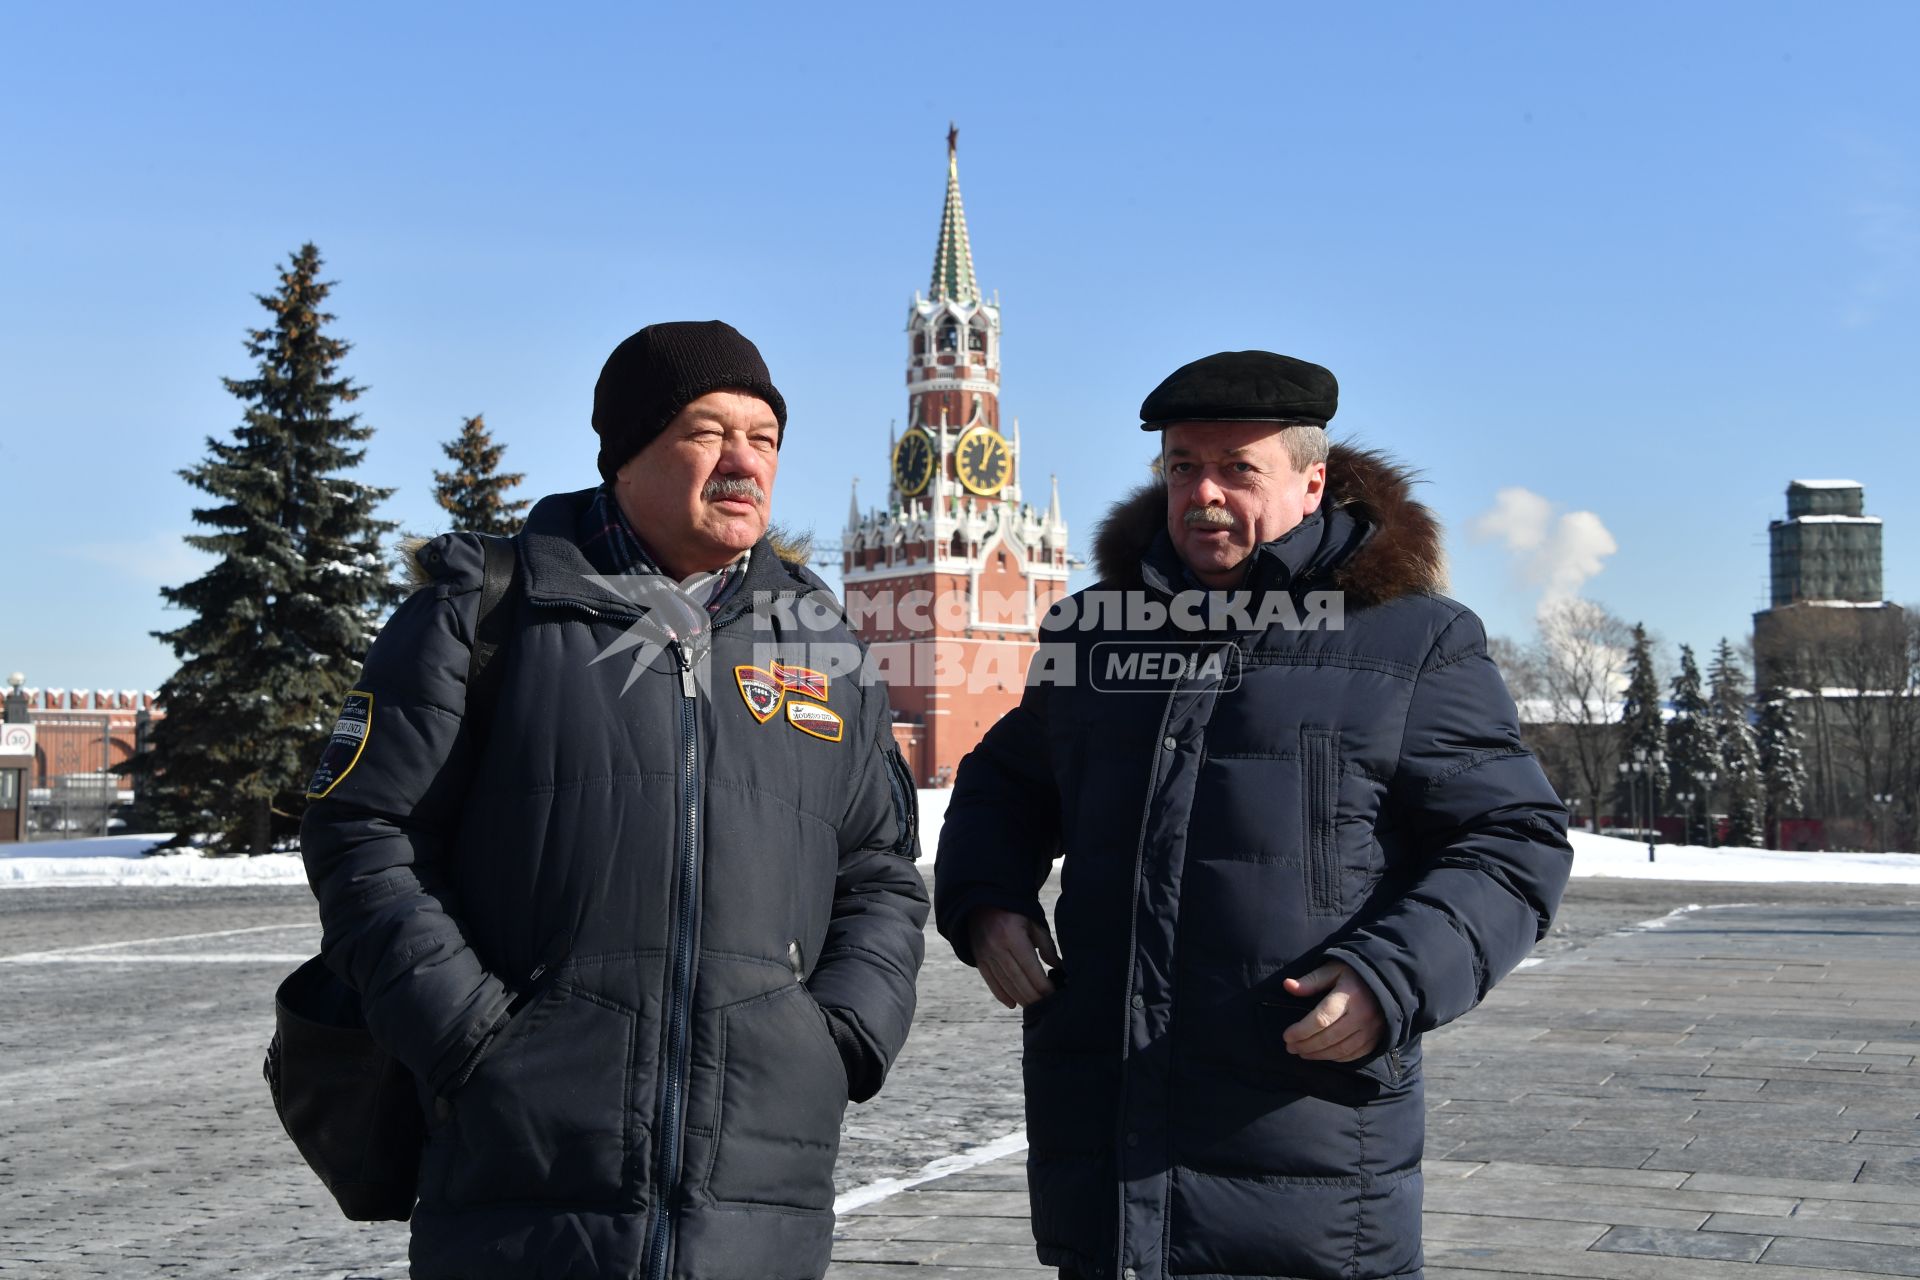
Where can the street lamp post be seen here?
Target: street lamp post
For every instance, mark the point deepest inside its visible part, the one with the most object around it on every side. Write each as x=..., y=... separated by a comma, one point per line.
x=1686, y=799
x=1706, y=809
x=1633, y=793
x=1630, y=771
x=1884, y=803
x=1649, y=765
x=1654, y=767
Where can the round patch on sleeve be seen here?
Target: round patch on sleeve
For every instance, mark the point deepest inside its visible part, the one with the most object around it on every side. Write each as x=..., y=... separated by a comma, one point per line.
x=350, y=733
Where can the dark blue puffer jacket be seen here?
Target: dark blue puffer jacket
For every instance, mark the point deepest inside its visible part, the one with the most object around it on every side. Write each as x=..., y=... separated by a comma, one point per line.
x=1358, y=793
x=637, y=940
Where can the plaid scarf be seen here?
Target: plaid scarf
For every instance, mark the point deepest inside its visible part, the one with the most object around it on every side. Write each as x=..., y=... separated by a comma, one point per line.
x=611, y=546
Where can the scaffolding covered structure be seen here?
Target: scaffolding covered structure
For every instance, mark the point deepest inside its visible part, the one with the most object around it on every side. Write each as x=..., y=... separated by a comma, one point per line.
x=1827, y=550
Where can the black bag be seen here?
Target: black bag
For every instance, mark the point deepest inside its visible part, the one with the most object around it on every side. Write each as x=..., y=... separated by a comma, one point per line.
x=349, y=1106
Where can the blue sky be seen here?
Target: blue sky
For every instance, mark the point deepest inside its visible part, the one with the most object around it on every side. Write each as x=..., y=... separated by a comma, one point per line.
x=1648, y=262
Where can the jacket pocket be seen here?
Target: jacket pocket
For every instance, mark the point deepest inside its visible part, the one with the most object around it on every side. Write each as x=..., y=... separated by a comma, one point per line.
x=1349, y=1082
x=1319, y=814
x=544, y=1116
x=906, y=805
x=783, y=1090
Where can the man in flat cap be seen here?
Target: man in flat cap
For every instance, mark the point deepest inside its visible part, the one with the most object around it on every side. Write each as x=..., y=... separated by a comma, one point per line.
x=634, y=898
x=1338, y=844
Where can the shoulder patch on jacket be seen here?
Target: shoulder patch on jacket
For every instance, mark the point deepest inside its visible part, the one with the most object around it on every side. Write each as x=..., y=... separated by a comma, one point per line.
x=802, y=680
x=821, y=722
x=350, y=733
x=761, y=690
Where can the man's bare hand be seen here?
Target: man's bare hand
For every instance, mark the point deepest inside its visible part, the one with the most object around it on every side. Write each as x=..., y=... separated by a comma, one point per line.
x=1345, y=1026
x=1009, y=949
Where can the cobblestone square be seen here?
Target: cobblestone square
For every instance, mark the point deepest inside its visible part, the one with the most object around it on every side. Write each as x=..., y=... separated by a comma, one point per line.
x=1734, y=1087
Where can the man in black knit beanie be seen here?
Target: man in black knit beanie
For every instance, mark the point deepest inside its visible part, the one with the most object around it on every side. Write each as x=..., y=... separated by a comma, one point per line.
x=639, y=912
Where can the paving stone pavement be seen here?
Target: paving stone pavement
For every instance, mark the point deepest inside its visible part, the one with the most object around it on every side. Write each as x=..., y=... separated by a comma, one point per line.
x=1731, y=1093
x=137, y=1139
x=1733, y=1089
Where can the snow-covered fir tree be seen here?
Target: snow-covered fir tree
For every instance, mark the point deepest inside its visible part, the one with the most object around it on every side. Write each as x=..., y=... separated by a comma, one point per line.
x=1693, y=749
x=1742, y=781
x=1643, y=738
x=1783, y=769
x=474, y=492
x=283, y=618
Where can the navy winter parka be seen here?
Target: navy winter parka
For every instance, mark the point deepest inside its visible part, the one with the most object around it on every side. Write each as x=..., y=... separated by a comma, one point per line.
x=1310, y=792
x=637, y=940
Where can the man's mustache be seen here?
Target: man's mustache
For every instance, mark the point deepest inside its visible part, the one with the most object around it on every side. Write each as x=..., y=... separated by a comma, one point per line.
x=1211, y=517
x=737, y=487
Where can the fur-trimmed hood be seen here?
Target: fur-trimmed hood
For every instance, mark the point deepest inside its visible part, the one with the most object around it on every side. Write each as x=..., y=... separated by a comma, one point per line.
x=1377, y=543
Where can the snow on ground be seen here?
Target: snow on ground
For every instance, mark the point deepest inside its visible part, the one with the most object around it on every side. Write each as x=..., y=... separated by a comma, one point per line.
x=112, y=860
x=1612, y=856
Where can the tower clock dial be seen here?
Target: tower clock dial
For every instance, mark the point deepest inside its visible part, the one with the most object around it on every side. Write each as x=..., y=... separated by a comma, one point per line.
x=983, y=461
x=913, y=463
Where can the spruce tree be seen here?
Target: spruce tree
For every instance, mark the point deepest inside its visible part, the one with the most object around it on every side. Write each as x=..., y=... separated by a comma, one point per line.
x=1643, y=738
x=1693, y=752
x=1783, y=769
x=474, y=492
x=1741, y=776
x=283, y=618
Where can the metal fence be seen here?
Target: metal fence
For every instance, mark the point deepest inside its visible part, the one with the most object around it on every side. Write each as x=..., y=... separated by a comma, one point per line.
x=76, y=804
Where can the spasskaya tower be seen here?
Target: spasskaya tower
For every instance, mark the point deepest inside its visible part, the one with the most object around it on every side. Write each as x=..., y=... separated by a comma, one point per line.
x=948, y=581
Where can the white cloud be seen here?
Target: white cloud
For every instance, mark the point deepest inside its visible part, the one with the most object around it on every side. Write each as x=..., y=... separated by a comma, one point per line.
x=1556, y=551
x=1519, y=518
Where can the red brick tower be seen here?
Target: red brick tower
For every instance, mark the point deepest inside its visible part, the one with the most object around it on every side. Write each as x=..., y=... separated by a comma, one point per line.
x=947, y=584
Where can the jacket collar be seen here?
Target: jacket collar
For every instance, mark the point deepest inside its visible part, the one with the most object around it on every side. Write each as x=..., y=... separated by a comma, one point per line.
x=559, y=573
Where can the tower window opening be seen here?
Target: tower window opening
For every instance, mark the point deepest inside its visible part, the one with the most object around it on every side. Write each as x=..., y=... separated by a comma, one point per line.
x=976, y=339
x=919, y=344
x=949, y=337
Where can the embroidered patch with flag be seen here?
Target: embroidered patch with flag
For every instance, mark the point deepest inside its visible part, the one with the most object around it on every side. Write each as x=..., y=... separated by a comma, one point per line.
x=804, y=681
x=761, y=690
x=809, y=717
x=343, y=749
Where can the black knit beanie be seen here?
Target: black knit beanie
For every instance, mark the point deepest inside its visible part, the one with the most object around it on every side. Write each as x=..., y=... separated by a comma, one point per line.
x=661, y=370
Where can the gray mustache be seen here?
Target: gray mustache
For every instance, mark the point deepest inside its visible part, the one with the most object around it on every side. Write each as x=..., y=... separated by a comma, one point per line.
x=1212, y=517
x=739, y=487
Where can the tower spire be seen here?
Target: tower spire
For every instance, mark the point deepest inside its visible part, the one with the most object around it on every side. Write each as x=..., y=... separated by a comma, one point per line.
x=953, y=256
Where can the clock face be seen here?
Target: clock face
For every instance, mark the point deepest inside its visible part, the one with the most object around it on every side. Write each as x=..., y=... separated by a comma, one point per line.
x=983, y=462
x=913, y=463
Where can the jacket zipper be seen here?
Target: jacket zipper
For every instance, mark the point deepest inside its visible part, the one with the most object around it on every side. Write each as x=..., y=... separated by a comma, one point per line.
x=673, y=1095
x=1133, y=947
x=672, y=1112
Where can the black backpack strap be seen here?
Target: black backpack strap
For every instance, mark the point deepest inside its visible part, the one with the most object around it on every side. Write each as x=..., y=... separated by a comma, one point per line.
x=499, y=586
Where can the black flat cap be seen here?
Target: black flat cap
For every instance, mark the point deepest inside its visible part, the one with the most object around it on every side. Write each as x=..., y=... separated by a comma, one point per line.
x=1242, y=386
